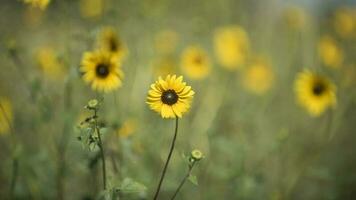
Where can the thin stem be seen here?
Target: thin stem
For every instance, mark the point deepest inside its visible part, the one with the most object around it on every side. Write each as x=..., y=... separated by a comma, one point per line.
x=101, y=150
x=183, y=181
x=15, y=166
x=15, y=162
x=167, y=162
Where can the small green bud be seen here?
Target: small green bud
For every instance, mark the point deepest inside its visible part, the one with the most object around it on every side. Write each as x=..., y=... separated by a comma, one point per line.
x=93, y=104
x=196, y=155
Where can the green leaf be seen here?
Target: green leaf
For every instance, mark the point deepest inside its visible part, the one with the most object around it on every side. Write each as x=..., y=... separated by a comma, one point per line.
x=131, y=186
x=193, y=179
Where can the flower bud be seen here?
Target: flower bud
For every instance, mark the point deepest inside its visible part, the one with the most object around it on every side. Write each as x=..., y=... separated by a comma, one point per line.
x=196, y=155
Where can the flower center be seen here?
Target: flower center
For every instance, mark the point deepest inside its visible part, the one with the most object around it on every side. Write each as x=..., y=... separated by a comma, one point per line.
x=198, y=60
x=318, y=88
x=169, y=97
x=114, y=45
x=102, y=70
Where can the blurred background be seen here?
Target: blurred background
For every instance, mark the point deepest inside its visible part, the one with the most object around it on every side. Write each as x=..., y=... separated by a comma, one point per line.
x=258, y=143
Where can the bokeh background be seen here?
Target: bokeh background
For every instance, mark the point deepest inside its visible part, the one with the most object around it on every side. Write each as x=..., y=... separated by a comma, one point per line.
x=257, y=141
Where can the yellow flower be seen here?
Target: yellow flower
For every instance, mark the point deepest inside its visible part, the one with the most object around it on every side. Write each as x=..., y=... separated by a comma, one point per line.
x=6, y=115
x=195, y=62
x=295, y=18
x=349, y=75
x=49, y=63
x=344, y=21
x=166, y=41
x=329, y=52
x=101, y=70
x=258, y=77
x=314, y=92
x=32, y=17
x=41, y=4
x=170, y=97
x=109, y=41
x=127, y=128
x=231, y=46
x=164, y=66
x=91, y=8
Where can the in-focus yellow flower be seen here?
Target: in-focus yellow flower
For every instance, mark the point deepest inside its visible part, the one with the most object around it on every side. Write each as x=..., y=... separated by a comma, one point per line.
x=6, y=115
x=127, y=128
x=330, y=53
x=49, y=63
x=231, y=46
x=195, y=62
x=109, y=41
x=170, y=97
x=314, y=92
x=41, y=4
x=91, y=8
x=166, y=41
x=164, y=66
x=295, y=18
x=101, y=70
x=345, y=21
x=258, y=77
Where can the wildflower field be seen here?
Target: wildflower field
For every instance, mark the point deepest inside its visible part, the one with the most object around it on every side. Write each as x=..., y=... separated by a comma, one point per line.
x=178, y=99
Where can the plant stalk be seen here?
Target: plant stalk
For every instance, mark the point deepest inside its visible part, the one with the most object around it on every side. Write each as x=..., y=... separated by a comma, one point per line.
x=167, y=162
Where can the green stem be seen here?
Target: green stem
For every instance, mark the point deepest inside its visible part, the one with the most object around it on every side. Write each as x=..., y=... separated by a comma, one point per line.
x=15, y=166
x=15, y=163
x=167, y=162
x=183, y=181
x=101, y=150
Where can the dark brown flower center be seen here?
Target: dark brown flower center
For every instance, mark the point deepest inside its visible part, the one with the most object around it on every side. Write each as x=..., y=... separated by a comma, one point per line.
x=318, y=88
x=102, y=70
x=169, y=97
x=114, y=45
x=198, y=60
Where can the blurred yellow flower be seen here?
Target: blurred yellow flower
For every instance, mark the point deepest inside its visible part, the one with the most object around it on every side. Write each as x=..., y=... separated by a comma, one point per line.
x=109, y=41
x=6, y=115
x=170, y=97
x=127, y=128
x=101, y=70
x=329, y=52
x=314, y=92
x=231, y=46
x=32, y=17
x=164, y=66
x=349, y=75
x=345, y=21
x=41, y=4
x=195, y=62
x=166, y=41
x=295, y=17
x=49, y=63
x=258, y=78
x=91, y=8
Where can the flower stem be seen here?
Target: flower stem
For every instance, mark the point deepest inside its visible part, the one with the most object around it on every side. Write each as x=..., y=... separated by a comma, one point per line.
x=15, y=166
x=168, y=159
x=183, y=181
x=101, y=151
